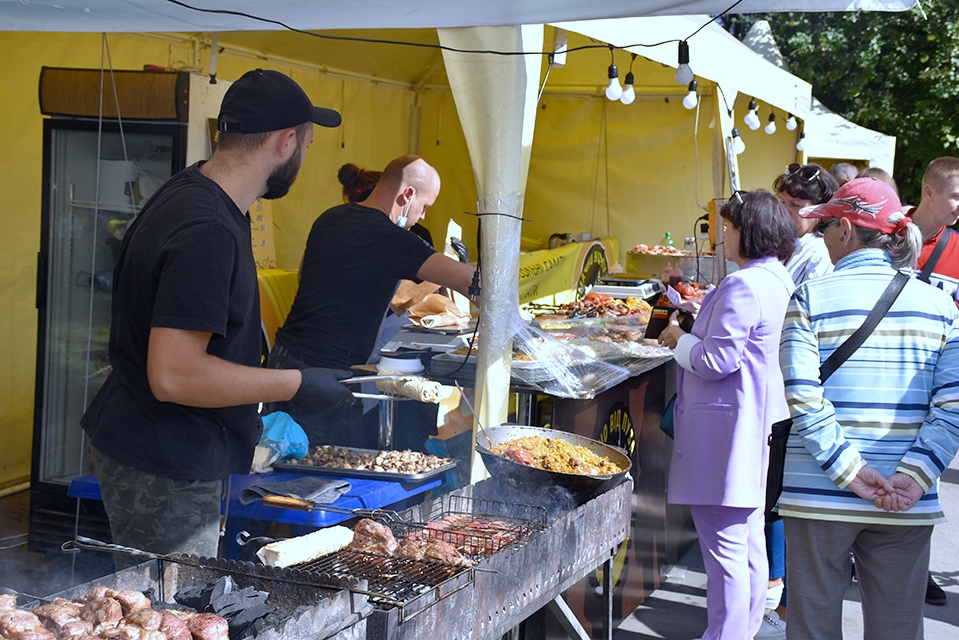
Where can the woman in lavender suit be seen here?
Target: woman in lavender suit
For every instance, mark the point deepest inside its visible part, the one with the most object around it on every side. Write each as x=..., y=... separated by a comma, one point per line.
x=730, y=391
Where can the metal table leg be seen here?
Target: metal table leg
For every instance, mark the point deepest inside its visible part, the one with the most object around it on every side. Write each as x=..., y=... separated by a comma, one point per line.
x=608, y=599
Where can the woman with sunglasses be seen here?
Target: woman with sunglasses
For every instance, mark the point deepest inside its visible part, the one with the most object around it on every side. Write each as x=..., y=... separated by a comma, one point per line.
x=803, y=186
x=867, y=447
x=730, y=391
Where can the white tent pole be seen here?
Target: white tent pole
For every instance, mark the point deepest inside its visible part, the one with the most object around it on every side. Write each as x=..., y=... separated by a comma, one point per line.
x=496, y=101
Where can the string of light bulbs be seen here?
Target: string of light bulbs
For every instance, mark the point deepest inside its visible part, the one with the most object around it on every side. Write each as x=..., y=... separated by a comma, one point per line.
x=614, y=91
x=430, y=45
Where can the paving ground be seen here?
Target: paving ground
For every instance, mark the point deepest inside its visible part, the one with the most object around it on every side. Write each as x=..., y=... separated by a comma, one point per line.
x=677, y=611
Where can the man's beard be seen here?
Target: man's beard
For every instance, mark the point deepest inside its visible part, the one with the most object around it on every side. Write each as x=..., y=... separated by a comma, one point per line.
x=282, y=178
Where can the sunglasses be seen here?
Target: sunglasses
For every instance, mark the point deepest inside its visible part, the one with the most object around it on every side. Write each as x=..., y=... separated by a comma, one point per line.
x=806, y=172
x=825, y=223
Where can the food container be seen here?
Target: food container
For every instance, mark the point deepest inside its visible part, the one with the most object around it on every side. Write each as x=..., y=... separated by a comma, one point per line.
x=583, y=488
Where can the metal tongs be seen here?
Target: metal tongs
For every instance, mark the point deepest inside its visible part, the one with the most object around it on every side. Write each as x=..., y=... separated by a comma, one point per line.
x=377, y=378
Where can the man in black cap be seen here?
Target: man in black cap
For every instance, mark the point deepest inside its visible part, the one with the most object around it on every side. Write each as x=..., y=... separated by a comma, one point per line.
x=177, y=415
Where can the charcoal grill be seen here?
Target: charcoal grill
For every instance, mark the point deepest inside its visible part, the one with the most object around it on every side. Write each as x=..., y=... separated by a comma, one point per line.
x=509, y=587
x=307, y=609
x=410, y=586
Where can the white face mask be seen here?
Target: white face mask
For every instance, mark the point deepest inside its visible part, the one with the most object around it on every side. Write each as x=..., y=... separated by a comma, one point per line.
x=404, y=218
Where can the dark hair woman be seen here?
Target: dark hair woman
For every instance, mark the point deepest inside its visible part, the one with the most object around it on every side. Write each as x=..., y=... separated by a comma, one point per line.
x=729, y=393
x=357, y=183
x=804, y=185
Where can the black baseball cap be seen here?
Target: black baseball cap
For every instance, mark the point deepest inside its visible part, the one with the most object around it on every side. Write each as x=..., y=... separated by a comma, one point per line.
x=264, y=100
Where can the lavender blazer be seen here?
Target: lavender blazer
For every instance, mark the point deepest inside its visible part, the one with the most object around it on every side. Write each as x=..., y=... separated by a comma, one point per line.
x=730, y=390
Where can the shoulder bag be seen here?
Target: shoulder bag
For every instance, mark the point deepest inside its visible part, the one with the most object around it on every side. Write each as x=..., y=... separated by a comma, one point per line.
x=780, y=430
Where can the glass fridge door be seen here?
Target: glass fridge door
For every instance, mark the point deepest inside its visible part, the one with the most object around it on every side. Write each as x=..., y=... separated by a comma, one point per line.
x=86, y=216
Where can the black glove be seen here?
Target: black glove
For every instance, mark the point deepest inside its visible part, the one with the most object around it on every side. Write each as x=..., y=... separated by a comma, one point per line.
x=461, y=251
x=321, y=390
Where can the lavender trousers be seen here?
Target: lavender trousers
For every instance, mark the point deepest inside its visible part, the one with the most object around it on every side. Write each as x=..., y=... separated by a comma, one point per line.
x=734, y=552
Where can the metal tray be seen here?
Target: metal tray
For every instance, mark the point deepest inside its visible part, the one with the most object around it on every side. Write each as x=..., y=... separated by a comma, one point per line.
x=366, y=473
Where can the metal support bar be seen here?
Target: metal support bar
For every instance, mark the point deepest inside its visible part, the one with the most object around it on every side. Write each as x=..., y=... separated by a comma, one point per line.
x=387, y=415
x=608, y=599
x=524, y=407
x=567, y=619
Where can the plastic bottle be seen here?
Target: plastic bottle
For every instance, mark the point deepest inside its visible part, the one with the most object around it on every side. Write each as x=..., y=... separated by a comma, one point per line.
x=667, y=240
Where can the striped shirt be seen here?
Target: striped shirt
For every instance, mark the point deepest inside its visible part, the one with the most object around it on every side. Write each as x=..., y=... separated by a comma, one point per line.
x=894, y=404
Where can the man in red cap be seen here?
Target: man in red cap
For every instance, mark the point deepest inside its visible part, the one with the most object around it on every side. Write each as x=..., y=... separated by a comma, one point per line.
x=178, y=413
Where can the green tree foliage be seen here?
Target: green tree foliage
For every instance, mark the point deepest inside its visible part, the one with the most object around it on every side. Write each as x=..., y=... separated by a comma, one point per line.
x=897, y=73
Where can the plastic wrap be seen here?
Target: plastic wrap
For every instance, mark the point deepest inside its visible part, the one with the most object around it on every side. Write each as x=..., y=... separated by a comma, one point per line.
x=617, y=341
x=557, y=367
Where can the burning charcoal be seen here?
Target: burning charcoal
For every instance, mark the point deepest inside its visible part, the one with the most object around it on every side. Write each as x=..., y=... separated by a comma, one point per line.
x=245, y=618
x=236, y=602
x=266, y=622
x=200, y=597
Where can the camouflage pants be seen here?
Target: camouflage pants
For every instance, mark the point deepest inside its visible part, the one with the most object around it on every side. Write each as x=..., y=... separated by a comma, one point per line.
x=159, y=515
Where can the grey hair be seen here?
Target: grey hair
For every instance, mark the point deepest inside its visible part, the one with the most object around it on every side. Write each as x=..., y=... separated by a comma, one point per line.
x=903, y=249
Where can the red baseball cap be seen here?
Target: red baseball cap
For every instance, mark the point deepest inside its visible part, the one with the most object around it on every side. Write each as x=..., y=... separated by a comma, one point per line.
x=865, y=202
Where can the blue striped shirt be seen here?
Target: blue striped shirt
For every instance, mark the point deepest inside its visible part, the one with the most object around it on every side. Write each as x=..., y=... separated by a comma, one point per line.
x=894, y=404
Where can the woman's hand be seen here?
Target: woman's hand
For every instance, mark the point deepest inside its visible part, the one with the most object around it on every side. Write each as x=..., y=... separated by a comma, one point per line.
x=671, y=334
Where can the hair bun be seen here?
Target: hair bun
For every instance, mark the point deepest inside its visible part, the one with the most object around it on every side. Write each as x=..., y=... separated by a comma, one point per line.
x=347, y=174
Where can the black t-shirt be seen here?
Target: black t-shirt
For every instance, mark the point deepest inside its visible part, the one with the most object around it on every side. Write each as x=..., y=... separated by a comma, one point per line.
x=355, y=256
x=185, y=263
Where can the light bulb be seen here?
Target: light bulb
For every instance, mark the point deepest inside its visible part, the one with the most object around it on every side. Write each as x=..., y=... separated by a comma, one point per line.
x=629, y=94
x=738, y=145
x=791, y=123
x=691, y=98
x=771, y=127
x=801, y=145
x=614, y=90
x=752, y=120
x=684, y=75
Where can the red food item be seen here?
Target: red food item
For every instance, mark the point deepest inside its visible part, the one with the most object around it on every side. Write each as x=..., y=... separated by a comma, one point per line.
x=688, y=290
x=521, y=456
x=597, y=298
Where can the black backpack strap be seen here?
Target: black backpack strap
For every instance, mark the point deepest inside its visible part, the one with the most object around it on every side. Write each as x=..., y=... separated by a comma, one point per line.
x=855, y=341
x=934, y=257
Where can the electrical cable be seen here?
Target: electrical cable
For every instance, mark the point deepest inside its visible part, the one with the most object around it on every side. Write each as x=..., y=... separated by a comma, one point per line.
x=429, y=45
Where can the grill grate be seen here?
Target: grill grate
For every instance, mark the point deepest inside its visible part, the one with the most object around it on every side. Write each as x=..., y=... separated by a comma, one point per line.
x=476, y=527
x=393, y=581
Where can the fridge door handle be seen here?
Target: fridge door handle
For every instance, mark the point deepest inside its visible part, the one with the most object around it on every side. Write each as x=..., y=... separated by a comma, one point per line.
x=41, y=280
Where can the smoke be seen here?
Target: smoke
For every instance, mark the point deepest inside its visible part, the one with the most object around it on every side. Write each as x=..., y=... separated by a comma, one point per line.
x=557, y=500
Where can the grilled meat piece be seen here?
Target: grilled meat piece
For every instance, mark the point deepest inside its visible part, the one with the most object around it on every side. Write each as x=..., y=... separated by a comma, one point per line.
x=14, y=623
x=56, y=615
x=95, y=593
x=75, y=628
x=40, y=634
x=147, y=619
x=370, y=536
x=208, y=626
x=174, y=628
x=432, y=549
x=132, y=600
x=102, y=610
x=8, y=602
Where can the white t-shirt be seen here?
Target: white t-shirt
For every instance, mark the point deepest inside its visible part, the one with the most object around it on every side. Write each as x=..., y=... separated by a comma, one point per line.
x=810, y=259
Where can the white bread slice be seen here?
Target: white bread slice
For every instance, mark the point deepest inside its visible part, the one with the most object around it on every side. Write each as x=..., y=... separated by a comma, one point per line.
x=302, y=549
